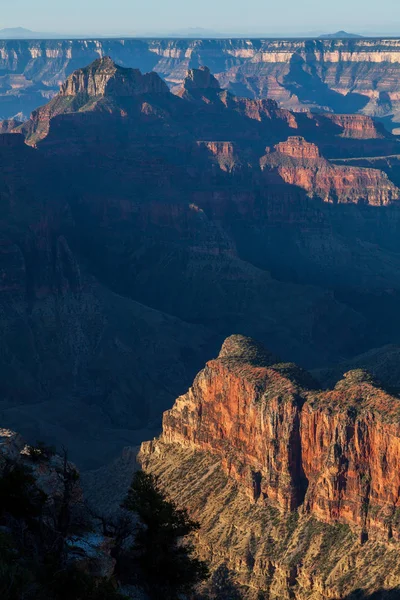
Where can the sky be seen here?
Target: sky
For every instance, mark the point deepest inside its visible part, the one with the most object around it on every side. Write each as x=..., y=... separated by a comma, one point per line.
x=148, y=16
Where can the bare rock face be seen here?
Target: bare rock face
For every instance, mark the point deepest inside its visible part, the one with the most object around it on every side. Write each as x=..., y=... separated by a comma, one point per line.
x=103, y=77
x=357, y=126
x=299, y=162
x=225, y=154
x=200, y=85
x=331, y=456
x=350, y=450
x=200, y=79
x=102, y=86
x=297, y=147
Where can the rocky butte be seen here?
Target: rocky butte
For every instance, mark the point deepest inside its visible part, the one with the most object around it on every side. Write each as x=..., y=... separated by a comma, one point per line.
x=311, y=476
x=299, y=163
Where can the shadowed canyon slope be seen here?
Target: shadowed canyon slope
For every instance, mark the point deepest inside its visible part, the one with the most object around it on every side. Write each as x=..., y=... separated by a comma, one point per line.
x=339, y=75
x=296, y=489
x=140, y=227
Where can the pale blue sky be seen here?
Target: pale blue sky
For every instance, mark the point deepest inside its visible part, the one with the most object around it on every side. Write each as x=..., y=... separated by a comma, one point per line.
x=117, y=16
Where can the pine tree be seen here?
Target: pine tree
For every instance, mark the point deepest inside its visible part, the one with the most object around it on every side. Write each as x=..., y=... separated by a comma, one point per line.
x=161, y=553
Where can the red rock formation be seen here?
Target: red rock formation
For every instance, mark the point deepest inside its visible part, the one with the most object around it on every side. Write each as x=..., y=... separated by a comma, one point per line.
x=297, y=147
x=358, y=127
x=299, y=163
x=260, y=110
x=225, y=413
x=225, y=153
x=351, y=455
x=334, y=454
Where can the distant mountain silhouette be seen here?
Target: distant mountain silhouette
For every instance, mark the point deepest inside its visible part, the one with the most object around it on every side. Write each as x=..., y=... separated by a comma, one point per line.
x=340, y=34
x=21, y=33
x=16, y=32
x=195, y=32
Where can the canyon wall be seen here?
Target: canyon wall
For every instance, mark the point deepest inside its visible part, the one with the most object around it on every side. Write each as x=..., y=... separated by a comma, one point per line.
x=323, y=459
x=170, y=189
x=299, y=163
x=335, y=75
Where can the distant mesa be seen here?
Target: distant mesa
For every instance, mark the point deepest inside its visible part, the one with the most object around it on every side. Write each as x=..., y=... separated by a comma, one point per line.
x=16, y=32
x=195, y=32
x=21, y=33
x=340, y=35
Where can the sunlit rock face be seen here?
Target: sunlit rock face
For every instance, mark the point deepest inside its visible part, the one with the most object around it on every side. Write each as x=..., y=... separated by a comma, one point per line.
x=300, y=163
x=334, y=452
x=105, y=78
x=288, y=461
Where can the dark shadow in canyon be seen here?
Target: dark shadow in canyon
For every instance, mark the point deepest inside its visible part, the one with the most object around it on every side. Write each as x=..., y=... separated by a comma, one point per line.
x=304, y=82
x=393, y=594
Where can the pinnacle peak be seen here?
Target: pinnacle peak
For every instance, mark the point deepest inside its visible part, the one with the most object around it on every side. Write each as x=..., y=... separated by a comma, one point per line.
x=103, y=77
x=201, y=78
x=105, y=60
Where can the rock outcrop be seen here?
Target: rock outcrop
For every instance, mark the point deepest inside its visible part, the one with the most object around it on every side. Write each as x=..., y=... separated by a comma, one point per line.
x=47, y=470
x=200, y=79
x=103, y=86
x=104, y=77
x=299, y=163
x=328, y=457
x=297, y=147
x=56, y=479
x=357, y=126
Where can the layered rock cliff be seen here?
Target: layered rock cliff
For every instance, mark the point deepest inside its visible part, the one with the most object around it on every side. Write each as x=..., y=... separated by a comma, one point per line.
x=300, y=163
x=337, y=75
x=319, y=468
x=103, y=86
x=105, y=78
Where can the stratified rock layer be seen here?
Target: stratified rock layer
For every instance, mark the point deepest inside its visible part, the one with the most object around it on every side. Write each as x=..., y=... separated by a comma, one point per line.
x=329, y=456
x=341, y=75
x=299, y=162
